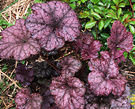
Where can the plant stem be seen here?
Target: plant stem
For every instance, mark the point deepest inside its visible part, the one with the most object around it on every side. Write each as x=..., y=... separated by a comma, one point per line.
x=132, y=8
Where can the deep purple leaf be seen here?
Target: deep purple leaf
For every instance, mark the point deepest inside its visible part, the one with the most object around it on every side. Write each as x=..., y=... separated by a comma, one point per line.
x=47, y=99
x=105, y=78
x=119, y=38
x=25, y=100
x=87, y=46
x=16, y=42
x=68, y=92
x=53, y=23
x=24, y=74
x=69, y=66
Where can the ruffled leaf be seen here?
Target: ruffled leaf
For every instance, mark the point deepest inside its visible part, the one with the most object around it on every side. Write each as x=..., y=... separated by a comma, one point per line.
x=105, y=78
x=16, y=42
x=69, y=66
x=25, y=100
x=53, y=23
x=87, y=46
x=68, y=92
x=119, y=38
x=107, y=102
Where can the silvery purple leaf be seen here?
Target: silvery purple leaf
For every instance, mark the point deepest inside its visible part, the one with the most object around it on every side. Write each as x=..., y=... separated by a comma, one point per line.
x=68, y=92
x=25, y=100
x=105, y=78
x=119, y=38
x=16, y=42
x=53, y=23
x=69, y=66
x=87, y=46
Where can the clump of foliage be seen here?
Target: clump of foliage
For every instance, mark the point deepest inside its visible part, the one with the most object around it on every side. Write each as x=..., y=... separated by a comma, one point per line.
x=48, y=27
x=24, y=74
x=25, y=100
x=58, y=23
x=44, y=70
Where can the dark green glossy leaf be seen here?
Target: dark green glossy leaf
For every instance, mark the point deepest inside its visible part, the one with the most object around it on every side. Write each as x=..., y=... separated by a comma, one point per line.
x=119, y=12
x=122, y=5
x=101, y=24
x=107, y=22
x=84, y=14
x=116, y=2
x=90, y=24
x=125, y=54
x=132, y=58
x=104, y=35
x=132, y=29
x=96, y=15
x=111, y=16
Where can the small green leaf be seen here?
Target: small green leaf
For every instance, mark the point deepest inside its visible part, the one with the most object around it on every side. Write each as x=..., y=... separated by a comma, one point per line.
x=95, y=1
x=132, y=22
x=114, y=7
x=116, y=2
x=125, y=54
x=104, y=35
x=132, y=58
x=23, y=62
x=132, y=29
x=107, y=22
x=111, y=16
x=124, y=17
x=90, y=24
x=122, y=5
x=38, y=1
x=83, y=1
x=101, y=24
x=84, y=14
x=73, y=6
x=119, y=12
x=97, y=16
x=98, y=10
x=134, y=7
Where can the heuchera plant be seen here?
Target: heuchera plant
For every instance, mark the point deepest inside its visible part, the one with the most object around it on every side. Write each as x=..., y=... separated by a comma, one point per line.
x=53, y=23
x=17, y=42
x=24, y=74
x=25, y=100
x=69, y=66
x=87, y=46
x=68, y=92
x=107, y=102
x=105, y=78
x=49, y=26
x=119, y=41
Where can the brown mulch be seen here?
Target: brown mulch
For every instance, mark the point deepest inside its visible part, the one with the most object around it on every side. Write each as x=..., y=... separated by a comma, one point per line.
x=127, y=68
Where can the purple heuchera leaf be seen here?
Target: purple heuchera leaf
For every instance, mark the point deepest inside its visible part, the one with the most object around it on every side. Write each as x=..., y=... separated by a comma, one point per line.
x=25, y=100
x=106, y=102
x=88, y=46
x=68, y=92
x=24, y=74
x=47, y=99
x=119, y=38
x=105, y=78
x=16, y=42
x=53, y=23
x=69, y=66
